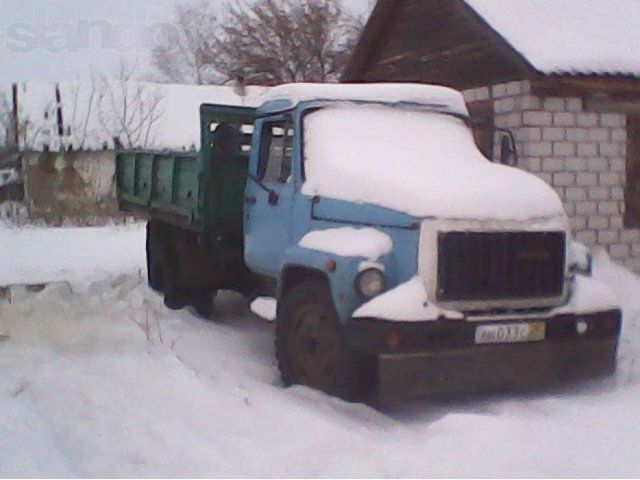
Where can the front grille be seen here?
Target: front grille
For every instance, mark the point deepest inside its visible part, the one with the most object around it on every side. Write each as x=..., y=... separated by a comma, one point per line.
x=500, y=265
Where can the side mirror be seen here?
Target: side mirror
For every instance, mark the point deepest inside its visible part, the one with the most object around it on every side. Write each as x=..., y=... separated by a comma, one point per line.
x=506, y=150
x=508, y=153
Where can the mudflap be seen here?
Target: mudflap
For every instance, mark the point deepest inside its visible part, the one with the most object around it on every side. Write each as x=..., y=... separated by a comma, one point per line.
x=494, y=368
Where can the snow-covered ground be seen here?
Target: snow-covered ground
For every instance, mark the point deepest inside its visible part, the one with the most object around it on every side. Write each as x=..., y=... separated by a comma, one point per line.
x=99, y=379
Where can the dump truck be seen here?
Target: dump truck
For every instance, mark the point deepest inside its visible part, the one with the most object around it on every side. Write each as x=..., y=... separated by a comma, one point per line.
x=393, y=256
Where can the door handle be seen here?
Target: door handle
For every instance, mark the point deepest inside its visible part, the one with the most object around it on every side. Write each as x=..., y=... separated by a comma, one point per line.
x=250, y=199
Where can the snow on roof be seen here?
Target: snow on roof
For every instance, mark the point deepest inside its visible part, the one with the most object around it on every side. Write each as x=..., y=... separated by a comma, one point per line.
x=443, y=97
x=140, y=114
x=569, y=36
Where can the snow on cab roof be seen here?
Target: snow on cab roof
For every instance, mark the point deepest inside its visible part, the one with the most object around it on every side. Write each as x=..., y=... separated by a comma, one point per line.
x=443, y=98
x=600, y=37
x=141, y=114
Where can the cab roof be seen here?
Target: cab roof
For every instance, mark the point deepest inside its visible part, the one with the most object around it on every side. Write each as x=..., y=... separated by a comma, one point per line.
x=288, y=96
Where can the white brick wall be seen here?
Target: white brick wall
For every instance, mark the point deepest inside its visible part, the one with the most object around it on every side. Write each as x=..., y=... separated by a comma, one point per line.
x=579, y=153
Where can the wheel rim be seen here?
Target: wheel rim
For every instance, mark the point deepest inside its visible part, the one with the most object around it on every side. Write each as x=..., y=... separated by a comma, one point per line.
x=313, y=346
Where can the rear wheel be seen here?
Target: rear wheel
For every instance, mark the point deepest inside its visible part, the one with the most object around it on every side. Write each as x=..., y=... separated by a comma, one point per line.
x=202, y=302
x=155, y=272
x=156, y=276
x=311, y=348
x=175, y=297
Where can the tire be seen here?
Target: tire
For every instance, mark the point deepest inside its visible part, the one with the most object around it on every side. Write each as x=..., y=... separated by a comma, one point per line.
x=174, y=296
x=202, y=303
x=155, y=270
x=155, y=275
x=174, y=300
x=311, y=348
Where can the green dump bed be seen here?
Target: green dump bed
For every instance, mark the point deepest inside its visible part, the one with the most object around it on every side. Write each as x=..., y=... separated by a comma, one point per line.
x=199, y=191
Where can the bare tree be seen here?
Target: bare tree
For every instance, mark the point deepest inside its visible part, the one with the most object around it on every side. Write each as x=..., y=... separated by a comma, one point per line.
x=128, y=110
x=276, y=41
x=263, y=42
x=35, y=131
x=181, y=56
x=5, y=119
x=80, y=112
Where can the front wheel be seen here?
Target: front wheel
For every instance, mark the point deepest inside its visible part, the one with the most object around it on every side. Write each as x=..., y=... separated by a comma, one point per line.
x=311, y=349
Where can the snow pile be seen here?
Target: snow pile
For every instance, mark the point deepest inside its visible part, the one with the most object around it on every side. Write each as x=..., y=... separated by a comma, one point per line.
x=108, y=383
x=626, y=287
x=40, y=255
x=579, y=36
x=589, y=295
x=366, y=242
x=141, y=114
x=420, y=163
x=265, y=307
x=434, y=96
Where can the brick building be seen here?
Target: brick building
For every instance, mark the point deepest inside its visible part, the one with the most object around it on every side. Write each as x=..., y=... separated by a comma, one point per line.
x=566, y=84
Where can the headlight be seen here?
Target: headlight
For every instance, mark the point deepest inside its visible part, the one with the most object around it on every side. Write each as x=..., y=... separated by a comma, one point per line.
x=370, y=282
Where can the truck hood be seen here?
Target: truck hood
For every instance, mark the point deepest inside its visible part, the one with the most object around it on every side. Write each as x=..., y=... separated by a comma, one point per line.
x=421, y=164
x=488, y=191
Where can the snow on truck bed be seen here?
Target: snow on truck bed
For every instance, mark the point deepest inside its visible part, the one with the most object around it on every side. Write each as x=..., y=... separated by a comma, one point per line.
x=103, y=381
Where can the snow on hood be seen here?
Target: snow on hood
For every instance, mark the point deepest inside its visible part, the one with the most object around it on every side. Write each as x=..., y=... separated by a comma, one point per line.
x=421, y=163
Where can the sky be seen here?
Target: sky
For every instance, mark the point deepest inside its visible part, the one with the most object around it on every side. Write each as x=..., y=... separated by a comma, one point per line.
x=52, y=40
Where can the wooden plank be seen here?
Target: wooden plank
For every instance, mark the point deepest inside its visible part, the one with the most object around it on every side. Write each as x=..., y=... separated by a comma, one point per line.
x=439, y=41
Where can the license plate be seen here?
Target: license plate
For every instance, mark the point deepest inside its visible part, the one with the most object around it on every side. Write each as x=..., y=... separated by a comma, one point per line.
x=510, y=333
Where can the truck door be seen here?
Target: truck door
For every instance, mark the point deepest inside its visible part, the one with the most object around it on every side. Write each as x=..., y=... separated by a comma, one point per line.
x=268, y=203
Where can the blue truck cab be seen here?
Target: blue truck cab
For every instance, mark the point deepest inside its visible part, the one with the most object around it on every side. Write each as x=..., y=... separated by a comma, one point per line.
x=393, y=257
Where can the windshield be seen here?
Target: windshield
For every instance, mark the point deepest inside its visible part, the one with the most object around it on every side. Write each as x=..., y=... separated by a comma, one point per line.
x=415, y=161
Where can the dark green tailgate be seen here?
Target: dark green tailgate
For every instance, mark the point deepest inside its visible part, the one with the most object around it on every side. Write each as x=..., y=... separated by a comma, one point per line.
x=200, y=191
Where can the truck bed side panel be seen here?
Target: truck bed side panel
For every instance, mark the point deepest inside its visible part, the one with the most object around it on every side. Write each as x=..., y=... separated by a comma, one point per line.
x=159, y=185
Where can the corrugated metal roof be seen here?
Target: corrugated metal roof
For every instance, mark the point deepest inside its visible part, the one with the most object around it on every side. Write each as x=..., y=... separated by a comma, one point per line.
x=578, y=37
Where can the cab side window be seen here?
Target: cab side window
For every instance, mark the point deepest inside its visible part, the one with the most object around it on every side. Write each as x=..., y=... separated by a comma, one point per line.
x=276, y=149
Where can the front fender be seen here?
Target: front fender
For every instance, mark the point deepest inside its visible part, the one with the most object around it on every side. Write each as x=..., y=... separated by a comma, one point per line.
x=341, y=280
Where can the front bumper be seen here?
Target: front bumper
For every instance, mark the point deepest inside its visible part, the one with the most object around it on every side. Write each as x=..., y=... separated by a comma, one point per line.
x=441, y=357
